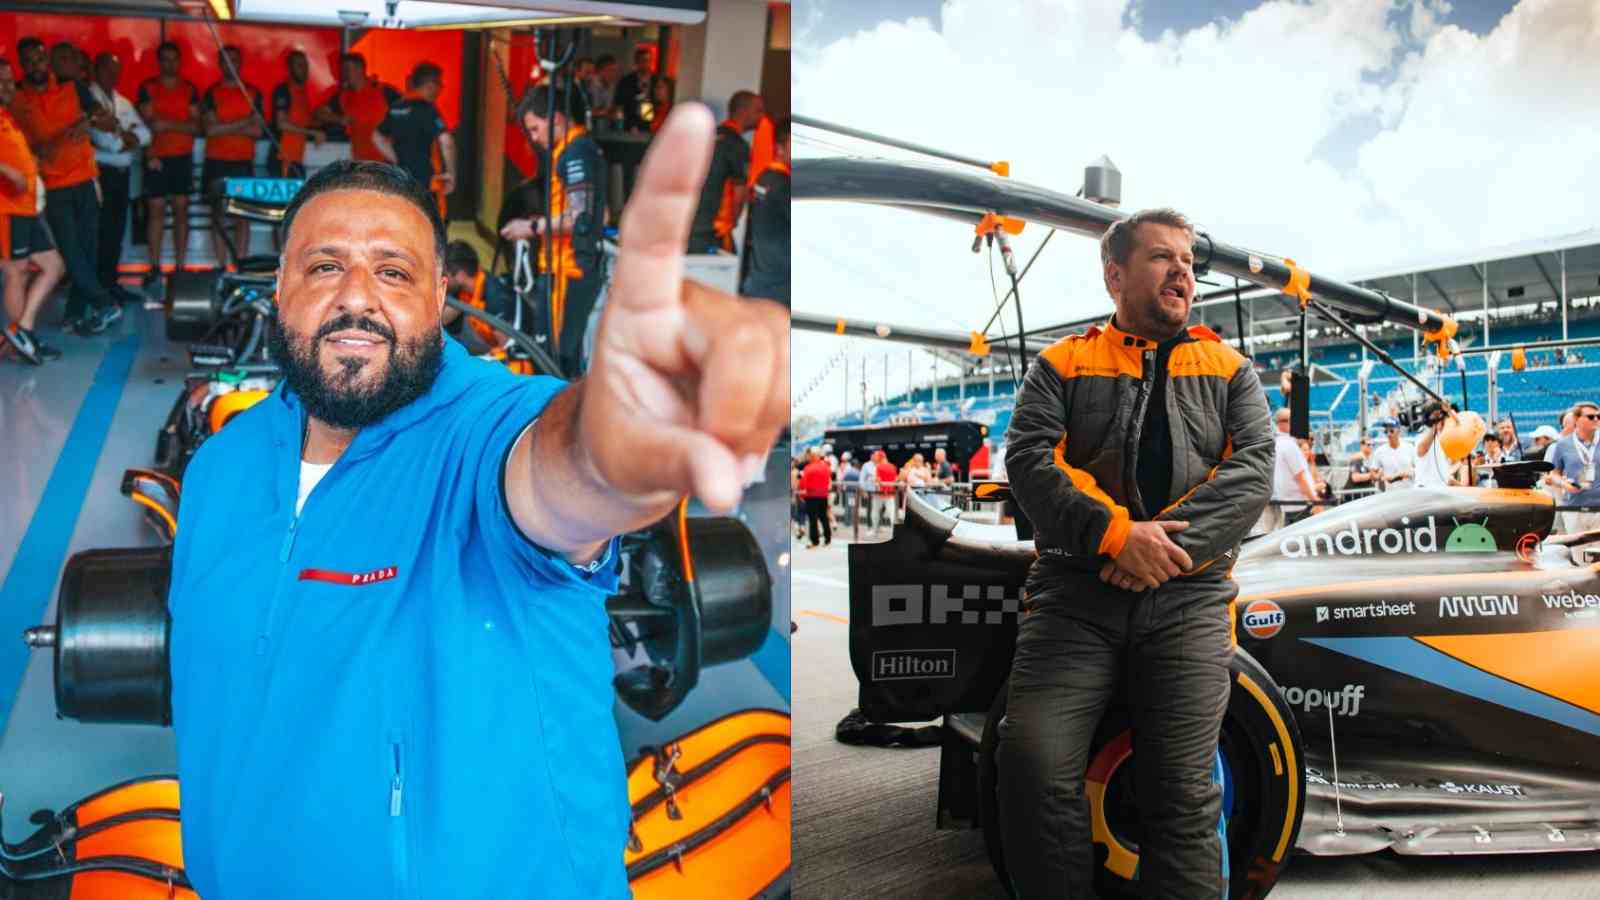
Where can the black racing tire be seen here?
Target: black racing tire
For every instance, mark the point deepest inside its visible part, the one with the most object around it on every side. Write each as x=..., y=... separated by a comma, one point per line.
x=1261, y=747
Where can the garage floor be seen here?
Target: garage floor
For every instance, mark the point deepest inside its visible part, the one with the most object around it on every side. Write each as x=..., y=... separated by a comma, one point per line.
x=864, y=816
x=68, y=429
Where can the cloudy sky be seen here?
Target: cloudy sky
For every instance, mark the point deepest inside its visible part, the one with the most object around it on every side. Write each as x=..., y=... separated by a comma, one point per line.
x=1348, y=134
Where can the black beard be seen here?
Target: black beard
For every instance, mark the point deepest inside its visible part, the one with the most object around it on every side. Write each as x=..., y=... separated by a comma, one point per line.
x=412, y=368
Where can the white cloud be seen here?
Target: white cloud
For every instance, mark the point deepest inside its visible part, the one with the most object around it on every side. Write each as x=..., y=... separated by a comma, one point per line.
x=1484, y=140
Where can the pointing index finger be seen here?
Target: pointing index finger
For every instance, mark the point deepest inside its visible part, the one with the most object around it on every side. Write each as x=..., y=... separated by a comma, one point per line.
x=655, y=224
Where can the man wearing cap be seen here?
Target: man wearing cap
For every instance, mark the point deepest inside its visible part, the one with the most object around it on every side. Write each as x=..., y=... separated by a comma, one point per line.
x=1392, y=460
x=1433, y=467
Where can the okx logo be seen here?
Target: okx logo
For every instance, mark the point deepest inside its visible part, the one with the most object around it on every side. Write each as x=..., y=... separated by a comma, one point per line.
x=1343, y=702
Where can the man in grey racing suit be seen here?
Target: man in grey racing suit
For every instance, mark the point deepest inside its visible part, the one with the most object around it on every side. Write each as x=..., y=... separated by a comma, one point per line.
x=1143, y=453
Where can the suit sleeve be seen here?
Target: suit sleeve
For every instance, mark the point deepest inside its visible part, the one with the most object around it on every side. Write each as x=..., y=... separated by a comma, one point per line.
x=1071, y=513
x=1221, y=510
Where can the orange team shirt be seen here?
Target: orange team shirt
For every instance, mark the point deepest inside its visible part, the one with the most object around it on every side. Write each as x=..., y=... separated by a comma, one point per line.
x=365, y=109
x=14, y=152
x=230, y=104
x=291, y=103
x=44, y=115
x=761, y=148
x=170, y=104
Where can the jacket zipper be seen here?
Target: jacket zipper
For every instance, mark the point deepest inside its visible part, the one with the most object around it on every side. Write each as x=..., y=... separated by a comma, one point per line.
x=1130, y=472
x=397, y=822
x=398, y=783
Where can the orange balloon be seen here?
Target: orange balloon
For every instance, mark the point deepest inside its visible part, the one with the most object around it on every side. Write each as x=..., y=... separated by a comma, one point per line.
x=1460, y=434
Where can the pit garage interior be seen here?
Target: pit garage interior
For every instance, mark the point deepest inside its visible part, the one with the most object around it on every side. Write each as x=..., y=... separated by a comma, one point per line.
x=71, y=428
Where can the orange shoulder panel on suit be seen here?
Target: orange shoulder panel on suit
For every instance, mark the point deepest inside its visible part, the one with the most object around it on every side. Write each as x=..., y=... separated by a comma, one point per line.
x=1204, y=357
x=1090, y=354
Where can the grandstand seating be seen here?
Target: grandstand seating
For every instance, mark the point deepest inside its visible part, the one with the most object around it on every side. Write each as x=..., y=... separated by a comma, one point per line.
x=1535, y=396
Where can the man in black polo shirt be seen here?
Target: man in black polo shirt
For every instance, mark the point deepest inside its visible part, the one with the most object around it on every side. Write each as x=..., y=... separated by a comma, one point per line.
x=724, y=192
x=571, y=256
x=470, y=284
x=406, y=136
x=769, y=225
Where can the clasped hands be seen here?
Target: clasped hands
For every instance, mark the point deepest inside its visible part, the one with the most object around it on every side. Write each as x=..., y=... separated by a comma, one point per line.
x=1149, y=558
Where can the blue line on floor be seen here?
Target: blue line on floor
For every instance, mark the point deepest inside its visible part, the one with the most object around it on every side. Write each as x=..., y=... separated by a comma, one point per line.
x=773, y=661
x=25, y=594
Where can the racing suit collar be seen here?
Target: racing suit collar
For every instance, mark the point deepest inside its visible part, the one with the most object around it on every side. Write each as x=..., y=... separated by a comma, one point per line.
x=453, y=380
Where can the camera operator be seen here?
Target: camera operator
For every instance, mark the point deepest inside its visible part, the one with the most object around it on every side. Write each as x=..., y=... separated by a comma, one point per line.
x=1434, y=468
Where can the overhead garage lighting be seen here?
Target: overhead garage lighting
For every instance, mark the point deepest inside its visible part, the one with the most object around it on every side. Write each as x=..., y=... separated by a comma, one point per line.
x=221, y=10
x=516, y=23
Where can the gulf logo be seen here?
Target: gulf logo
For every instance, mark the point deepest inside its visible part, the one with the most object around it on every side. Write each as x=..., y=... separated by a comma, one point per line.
x=1263, y=619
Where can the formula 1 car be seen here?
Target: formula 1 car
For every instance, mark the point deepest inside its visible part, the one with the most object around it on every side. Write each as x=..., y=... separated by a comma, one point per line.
x=1410, y=674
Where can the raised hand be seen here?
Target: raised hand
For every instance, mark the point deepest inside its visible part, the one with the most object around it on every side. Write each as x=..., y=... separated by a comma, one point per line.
x=689, y=387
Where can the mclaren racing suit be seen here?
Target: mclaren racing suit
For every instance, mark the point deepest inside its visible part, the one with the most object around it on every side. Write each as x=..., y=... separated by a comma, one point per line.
x=1073, y=455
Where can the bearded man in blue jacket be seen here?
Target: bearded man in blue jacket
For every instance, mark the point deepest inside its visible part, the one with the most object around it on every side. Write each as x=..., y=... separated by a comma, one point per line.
x=390, y=666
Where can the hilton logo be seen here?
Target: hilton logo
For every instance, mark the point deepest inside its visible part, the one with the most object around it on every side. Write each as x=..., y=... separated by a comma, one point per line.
x=891, y=665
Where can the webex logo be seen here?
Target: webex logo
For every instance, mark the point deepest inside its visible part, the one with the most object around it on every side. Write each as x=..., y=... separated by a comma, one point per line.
x=893, y=665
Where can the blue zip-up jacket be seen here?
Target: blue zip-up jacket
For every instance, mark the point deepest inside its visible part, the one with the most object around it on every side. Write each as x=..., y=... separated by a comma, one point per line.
x=394, y=694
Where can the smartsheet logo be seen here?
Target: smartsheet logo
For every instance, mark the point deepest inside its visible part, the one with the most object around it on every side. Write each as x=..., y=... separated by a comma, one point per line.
x=894, y=665
x=1376, y=610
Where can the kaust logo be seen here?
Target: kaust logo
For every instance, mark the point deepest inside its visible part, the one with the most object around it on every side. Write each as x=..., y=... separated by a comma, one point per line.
x=1486, y=605
x=1468, y=537
x=1502, y=790
x=893, y=665
x=1343, y=702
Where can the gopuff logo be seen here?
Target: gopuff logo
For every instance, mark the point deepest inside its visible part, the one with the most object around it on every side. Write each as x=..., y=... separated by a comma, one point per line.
x=1466, y=537
x=1343, y=702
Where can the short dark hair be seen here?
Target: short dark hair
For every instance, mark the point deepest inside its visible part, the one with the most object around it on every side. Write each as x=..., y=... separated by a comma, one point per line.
x=60, y=46
x=28, y=43
x=1117, y=243
x=294, y=53
x=536, y=103
x=232, y=48
x=365, y=175
x=164, y=46
x=460, y=257
x=424, y=73
x=780, y=130
x=103, y=57
x=353, y=57
x=740, y=101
